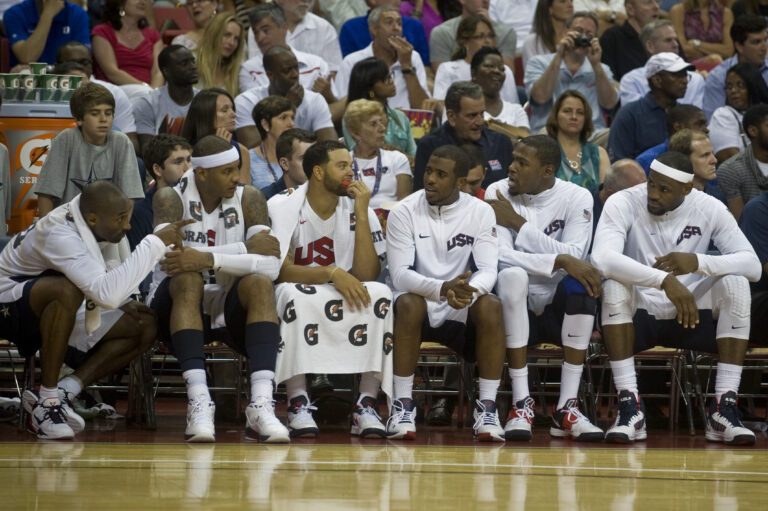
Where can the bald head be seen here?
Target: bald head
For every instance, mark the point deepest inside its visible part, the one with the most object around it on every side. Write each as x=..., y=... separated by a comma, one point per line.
x=102, y=198
x=622, y=174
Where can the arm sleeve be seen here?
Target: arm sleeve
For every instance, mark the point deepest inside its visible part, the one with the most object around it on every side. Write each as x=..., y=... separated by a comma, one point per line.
x=108, y=289
x=401, y=256
x=728, y=179
x=81, y=29
x=724, y=130
x=15, y=25
x=442, y=81
x=608, y=249
x=576, y=233
x=144, y=116
x=340, y=83
x=332, y=50
x=485, y=253
x=629, y=89
x=124, y=120
x=321, y=114
x=738, y=257
x=401, y=164
x=421, y=73
x=243, y=108
x=246, y=264
x=533, y=71
x=441, y=42
x=127, y=170
x=714, y=91
x=53, y=175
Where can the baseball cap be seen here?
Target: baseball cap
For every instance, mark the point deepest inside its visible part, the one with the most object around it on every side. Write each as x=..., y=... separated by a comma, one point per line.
x=666, y=61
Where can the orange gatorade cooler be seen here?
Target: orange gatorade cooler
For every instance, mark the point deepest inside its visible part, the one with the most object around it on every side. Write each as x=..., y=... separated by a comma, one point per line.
x=27, y=130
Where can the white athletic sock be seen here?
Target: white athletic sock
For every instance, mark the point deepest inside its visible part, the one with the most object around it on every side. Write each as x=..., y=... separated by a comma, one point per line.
x=576, y=330
x=262, y=384
x=624, y=376
x=519, y=379
x=296, y=386
x=488, y=389
x=728, y=379
x=47, y=393
x=369, y=386
x=570, y=378
x=197, y=385
x=403, y=386
x=71, y=384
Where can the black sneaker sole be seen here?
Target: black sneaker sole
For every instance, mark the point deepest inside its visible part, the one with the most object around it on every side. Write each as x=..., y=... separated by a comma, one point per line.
x=617, y=438
x=303, y=433
x=518, y=436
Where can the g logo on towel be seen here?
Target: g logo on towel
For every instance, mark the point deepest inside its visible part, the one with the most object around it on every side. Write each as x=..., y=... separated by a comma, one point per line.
x=311, y=334
x=306, y=289
x=334, y=310
x=381, y=307
x=289, y=314
x=389, y=343
x=358, y=335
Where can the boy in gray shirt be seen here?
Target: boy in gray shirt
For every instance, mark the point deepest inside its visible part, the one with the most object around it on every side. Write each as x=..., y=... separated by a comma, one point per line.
x=89, y=152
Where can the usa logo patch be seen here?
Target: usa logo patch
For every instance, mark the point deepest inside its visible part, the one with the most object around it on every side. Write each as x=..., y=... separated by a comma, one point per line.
x=494, y=164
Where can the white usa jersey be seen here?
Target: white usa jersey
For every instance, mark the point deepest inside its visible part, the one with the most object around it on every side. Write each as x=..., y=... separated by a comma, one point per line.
x=628, y=240
x=428, y=245
x=558, y=221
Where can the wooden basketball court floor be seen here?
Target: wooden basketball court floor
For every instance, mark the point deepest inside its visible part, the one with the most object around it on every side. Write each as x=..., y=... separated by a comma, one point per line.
x=131, y=468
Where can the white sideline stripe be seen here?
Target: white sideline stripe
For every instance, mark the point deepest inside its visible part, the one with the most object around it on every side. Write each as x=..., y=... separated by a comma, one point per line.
x=358, y=463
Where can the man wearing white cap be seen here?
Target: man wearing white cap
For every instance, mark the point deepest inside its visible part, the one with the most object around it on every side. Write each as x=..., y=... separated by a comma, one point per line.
x=643, y=123
x=651, y=245
x=219, y=285
x=657, y=37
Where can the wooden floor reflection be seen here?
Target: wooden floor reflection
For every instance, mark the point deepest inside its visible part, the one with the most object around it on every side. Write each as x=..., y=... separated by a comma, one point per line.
x=38, y=475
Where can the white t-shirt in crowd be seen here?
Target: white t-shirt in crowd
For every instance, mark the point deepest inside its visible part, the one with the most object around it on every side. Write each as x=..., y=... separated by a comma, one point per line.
x=124, y=120
x=512, y=114
x=459, y=71
x=517, y=14
x=312, y=115
x=311, y=67
x=340, y=84
x=393, y=164
x=155, y=113
x=725, y=129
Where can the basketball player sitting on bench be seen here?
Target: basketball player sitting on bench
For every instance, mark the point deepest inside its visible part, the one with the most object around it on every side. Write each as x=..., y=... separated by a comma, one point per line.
x=47, y=270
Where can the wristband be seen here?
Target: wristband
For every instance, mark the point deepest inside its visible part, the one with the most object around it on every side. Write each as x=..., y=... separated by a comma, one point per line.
x=160, y=227
x=408, y=71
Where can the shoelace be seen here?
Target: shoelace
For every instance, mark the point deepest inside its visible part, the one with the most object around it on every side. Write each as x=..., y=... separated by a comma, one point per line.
x=199, y=412
x=526, y=412
x=731, y=413
x=627, y=410
x=401, y=414
x=368, y=410
x=486, y=417
x=574, y=415
x=54, y=413
x=269, y=406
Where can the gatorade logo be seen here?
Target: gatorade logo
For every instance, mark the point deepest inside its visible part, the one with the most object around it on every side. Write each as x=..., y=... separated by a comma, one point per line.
x=33, y=153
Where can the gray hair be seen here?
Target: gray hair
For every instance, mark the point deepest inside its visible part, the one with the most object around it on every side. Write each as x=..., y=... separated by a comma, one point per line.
x=582, y=14
x=618, y=175
x=373, y=17
x=271, y=10
x=459, y=90
x=648, y=33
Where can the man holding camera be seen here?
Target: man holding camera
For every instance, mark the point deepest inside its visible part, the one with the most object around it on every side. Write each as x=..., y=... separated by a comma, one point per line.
x=575, y=65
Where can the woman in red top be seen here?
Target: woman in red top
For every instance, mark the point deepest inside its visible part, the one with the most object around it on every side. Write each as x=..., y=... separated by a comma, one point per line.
x=124, y=47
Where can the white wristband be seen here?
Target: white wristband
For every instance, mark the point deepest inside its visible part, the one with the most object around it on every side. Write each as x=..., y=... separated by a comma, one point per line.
x=255, y=229
x=161, y=227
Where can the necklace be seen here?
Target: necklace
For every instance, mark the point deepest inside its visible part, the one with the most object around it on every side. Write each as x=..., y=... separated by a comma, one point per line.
x=359, y=177
x=269, y=165
x=575, y=164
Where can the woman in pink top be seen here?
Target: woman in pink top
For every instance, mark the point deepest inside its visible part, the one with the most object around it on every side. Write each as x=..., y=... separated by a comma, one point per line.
x=431, y=13
x=125, y=49
x=703, y=28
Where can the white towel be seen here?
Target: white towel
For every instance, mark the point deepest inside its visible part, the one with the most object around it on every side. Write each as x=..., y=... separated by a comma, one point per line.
x=110, y=254
x=284, y=210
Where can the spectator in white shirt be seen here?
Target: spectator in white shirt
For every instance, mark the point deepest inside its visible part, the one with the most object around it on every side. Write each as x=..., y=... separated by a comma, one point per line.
x=386, y=26
x=487, y=69
x=270, y=28
x=518, y=15
x=744, y=87
x=473, y=33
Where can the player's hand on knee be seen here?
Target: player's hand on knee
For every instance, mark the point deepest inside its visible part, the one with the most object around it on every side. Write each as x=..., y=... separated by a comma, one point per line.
x=683, y=300
x=677, y=263
x=583, y=271
x=171, y=234
x=186, y=259
x=353, y=291
x=263, y=243
x=458, y=292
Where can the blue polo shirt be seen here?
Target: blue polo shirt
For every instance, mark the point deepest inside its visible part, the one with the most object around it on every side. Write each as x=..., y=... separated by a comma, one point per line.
x=754, y=224
x=71, y=24
x=639, y=125
x=355, y=36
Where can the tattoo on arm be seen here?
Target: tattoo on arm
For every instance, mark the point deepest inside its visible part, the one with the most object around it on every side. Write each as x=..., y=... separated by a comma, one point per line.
x=167, y=206
x=254, y=207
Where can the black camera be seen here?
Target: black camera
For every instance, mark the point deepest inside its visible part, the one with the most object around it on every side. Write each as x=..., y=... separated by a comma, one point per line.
x=582, y=41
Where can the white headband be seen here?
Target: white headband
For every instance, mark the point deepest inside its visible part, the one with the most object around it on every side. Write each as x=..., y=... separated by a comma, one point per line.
x=216, y=160
x=677, y=175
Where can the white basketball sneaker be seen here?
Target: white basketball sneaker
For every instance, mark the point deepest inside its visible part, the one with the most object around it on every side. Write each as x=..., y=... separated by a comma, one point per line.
x=46, y=418
x=570, y=422
x=487, y=426
x=200, y=412
x=630, y=420
x=261, y=423
x=300, y=421
x=402, y=420
x=724, y=422
x=366, y=422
